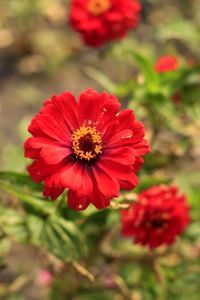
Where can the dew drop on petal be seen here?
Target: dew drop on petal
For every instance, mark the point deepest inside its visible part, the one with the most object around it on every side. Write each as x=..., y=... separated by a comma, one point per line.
x=127, y=134
x=88, y=122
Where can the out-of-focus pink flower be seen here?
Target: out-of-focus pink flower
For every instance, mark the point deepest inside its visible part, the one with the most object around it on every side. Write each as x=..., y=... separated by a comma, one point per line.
x=44, y=278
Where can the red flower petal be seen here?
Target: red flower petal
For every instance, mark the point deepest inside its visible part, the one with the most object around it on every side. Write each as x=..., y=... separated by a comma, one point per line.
x=49, y=127
x=100, y=201
x=68, y=108
x=86, y=187
x=52, y=187
x=119, y=171
x=71, y=176
x=104, y=108
x=108, y=186
x=77, y=203
x=39, y=170
x=124, y=155
x=54, y=154
x=33, y=146
x=121, y=139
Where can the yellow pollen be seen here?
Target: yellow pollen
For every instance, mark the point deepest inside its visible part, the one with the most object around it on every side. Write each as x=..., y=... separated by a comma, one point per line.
x=86, y=143
x=97, y=7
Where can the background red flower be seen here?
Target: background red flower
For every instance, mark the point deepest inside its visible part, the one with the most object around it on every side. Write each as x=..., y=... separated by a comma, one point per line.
x=159, y=216
x=166, y=63
x=100, y=21
x=87, y=147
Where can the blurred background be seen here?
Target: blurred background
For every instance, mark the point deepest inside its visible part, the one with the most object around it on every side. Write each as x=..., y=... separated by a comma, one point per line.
x=40, y=55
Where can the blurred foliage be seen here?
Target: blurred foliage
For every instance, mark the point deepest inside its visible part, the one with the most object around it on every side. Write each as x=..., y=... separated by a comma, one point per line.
x=40, y=55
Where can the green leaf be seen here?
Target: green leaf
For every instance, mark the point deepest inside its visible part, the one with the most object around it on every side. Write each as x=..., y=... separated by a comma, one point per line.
x=75, y=235
x=22, y=180
x=20, y=186
x=147, y=68
x=12, y=224
x=168, y=116
x=101, y=78
x=57, y=235
x=42, y=225
x=56, y=238
x=34, y=226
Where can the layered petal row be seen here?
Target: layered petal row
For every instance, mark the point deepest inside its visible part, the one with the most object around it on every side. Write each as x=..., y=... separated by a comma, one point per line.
x=158, y=217
x=87, y=147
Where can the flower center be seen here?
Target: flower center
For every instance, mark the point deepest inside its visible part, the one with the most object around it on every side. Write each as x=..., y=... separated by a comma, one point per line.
x=97, y=7
x=159, y=220
x=86, y=143
x=157, y=223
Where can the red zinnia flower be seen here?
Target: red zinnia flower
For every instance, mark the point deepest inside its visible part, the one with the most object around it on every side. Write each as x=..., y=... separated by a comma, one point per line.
x=159, y=216
x=86, y=146
x=166, y=63
x=100, y=21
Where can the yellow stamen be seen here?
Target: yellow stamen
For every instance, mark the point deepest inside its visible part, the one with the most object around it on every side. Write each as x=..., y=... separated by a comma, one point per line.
x=86, y=143
x=97, y=7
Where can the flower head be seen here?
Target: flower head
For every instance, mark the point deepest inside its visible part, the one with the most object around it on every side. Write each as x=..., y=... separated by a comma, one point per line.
x=85, y=146
x=100, y=21
x=166, y=63
x=159, y=216
x=44, y=278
